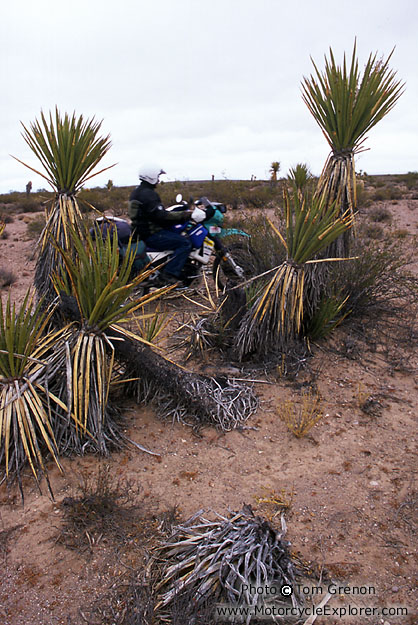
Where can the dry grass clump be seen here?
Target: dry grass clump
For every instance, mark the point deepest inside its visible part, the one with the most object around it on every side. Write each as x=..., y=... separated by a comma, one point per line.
x=35, y=227
x=103, y=508
x=300, y=418
x=273, y=503
x=380, y=214
x=7, y=278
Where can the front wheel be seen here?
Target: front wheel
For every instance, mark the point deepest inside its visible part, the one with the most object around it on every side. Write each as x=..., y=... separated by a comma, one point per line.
x=238, y=264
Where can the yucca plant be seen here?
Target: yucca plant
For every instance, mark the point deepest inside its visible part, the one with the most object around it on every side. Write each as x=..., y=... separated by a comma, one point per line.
x=98, y=284
x=299, y=177
x=274, y=170
x=69, y=149
x=29, y=359
x=275, y=318
x=346, y=106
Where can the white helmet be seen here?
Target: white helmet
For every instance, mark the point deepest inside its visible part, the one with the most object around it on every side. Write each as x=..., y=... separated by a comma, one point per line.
x=151, y=174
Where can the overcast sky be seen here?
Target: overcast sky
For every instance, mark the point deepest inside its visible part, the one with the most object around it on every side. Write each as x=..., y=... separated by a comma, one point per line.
x=199, y=87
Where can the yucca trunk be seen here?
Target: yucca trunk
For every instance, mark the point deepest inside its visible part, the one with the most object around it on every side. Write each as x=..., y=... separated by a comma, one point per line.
x=276, y=317
x=337, y=185
x=63, y=218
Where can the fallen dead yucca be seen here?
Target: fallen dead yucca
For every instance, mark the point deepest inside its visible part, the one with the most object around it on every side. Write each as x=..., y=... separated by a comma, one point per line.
x=226, y=560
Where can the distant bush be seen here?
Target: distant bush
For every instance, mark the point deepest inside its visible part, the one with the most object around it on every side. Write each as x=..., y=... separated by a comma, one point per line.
x=265, y=243
x=385, y=193
x=115, y=202
x=373, y=231
x=5, y=218
x=30, y=205
x=363, y=196
x=235, y=194
x=11, y=198
x=35, y=227
x=380, y=213
x=7, y=278
x=22, y=203
x=410, y=179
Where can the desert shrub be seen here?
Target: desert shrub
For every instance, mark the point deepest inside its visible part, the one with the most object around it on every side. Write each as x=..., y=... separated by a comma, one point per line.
x=21, y=203
x=300, y=418
x=234, y=193
x=373, y=231
x=115, y=203
x=30, y=205
x=381, y=194
x=400, y=233
x=6, y=219
x=363, y=196
x=376, y=282
x=261, y=197
x=103, y=507
x=13, y=197
x=410, y=179
x=35, y=227
x=267, y=247
x=395, y=193
x=380, y=213
x=385, y=193
x=7, y=278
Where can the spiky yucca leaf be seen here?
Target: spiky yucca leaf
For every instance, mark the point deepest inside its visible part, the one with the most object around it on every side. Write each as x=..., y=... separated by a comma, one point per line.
x=99, y=281
x=345, y=105
x=328, y=315
x=69, y=148
x=29, y=358
x=65, y=215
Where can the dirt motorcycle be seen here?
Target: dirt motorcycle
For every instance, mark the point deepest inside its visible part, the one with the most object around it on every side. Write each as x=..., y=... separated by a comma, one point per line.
x=234, y=262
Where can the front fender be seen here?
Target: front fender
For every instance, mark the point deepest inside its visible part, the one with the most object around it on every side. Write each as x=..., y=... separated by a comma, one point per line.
x=227, y=232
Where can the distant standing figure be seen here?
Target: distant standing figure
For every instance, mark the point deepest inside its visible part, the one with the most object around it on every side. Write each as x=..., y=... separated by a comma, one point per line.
x=28, y=187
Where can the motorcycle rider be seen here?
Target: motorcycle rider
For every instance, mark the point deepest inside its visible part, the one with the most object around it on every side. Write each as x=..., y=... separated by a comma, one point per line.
x=150, y=223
